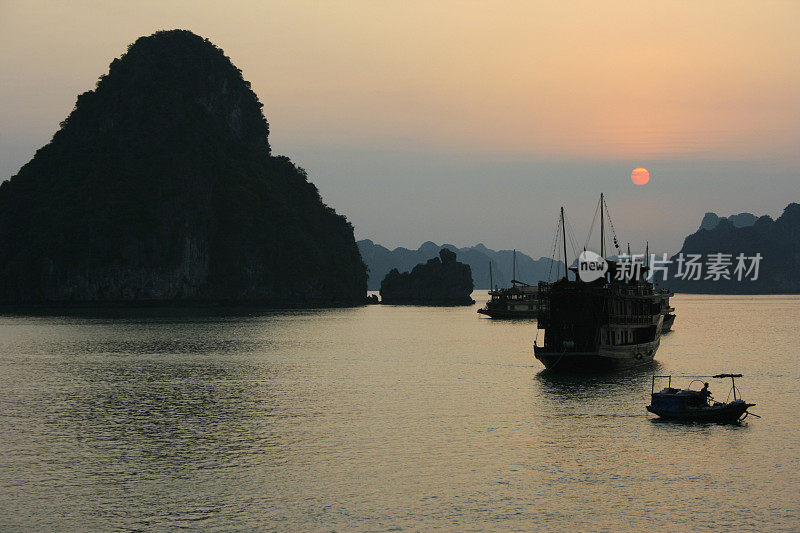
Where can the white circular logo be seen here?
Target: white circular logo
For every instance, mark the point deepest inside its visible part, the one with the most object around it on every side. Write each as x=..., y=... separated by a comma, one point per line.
x=591, y=266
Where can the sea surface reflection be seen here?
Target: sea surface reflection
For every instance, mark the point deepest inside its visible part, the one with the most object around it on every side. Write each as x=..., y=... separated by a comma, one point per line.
x=383, y=418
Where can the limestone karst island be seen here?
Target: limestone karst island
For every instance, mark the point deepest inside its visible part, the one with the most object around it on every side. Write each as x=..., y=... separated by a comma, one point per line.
x=160, y=186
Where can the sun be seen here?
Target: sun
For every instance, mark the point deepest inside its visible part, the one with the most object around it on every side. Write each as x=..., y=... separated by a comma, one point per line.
x=640, y=176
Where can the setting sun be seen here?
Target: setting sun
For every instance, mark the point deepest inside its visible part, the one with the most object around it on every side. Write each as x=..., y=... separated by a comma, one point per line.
x=640, y=176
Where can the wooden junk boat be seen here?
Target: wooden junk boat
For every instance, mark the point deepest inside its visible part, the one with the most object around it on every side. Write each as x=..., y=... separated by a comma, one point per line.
x=691, y=405
x=612, y=322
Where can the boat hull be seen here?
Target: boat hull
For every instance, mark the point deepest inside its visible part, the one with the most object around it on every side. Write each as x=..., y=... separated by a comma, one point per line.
x=667, y=324
x=505, y=313
x=727, y=413
x=605, y=358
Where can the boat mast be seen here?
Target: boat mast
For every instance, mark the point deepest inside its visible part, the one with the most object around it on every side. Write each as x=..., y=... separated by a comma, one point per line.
x=491, y=281
x=602, y=229
x=647, y=254
x=564, y=236
x=514, y=269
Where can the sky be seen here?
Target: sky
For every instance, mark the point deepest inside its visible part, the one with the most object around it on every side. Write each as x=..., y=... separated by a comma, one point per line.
x=464, y=122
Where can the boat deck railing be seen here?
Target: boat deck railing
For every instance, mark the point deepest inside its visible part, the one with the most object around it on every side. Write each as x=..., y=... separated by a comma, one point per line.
x=631, y=319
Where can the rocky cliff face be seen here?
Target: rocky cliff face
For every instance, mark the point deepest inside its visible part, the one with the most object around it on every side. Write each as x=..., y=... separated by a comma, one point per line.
x=778, y=242
x=712, y=220
x=160, y=185
x=440, y=281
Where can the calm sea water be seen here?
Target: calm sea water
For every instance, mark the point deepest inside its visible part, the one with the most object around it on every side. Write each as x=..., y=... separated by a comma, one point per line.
x=385, y=418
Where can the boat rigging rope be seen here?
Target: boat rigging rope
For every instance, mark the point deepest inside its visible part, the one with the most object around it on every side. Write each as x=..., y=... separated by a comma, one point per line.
x=571, y=234
x=560, y=357
x=613, y=230
x=591, y=229
x=556, y=233
x=733, y=390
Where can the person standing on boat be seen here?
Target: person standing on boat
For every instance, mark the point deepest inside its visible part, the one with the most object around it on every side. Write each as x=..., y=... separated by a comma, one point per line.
x=705, y=393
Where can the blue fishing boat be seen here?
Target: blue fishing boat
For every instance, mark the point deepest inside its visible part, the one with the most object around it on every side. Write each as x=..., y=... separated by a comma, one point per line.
x=697, y=405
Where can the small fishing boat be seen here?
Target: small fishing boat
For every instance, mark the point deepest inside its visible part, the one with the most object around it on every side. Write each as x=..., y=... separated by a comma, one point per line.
x=697, y=405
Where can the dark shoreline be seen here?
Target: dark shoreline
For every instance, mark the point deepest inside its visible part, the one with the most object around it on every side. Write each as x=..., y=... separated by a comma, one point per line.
x=216, y=306
x=430, y=303
x=745, y=293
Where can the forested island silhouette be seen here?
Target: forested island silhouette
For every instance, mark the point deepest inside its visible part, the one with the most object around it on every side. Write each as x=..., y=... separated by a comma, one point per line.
x=160, y=186
x=440, y=281
x=776, y=241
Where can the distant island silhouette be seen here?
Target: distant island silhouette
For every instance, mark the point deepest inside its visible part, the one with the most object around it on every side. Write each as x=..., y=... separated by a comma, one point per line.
x=381, y=260
x=778, y=242
x=161, y=186
x=712, y=220
x=439, y=281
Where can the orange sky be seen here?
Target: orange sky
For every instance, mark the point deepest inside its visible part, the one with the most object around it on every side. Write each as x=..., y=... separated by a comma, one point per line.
x=560, y=81
x=624, y=79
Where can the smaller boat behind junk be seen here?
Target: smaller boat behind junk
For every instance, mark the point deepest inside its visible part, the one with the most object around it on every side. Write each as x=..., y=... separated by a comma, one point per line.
x=667, y=310
x=518, y=301
x=692, y=405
